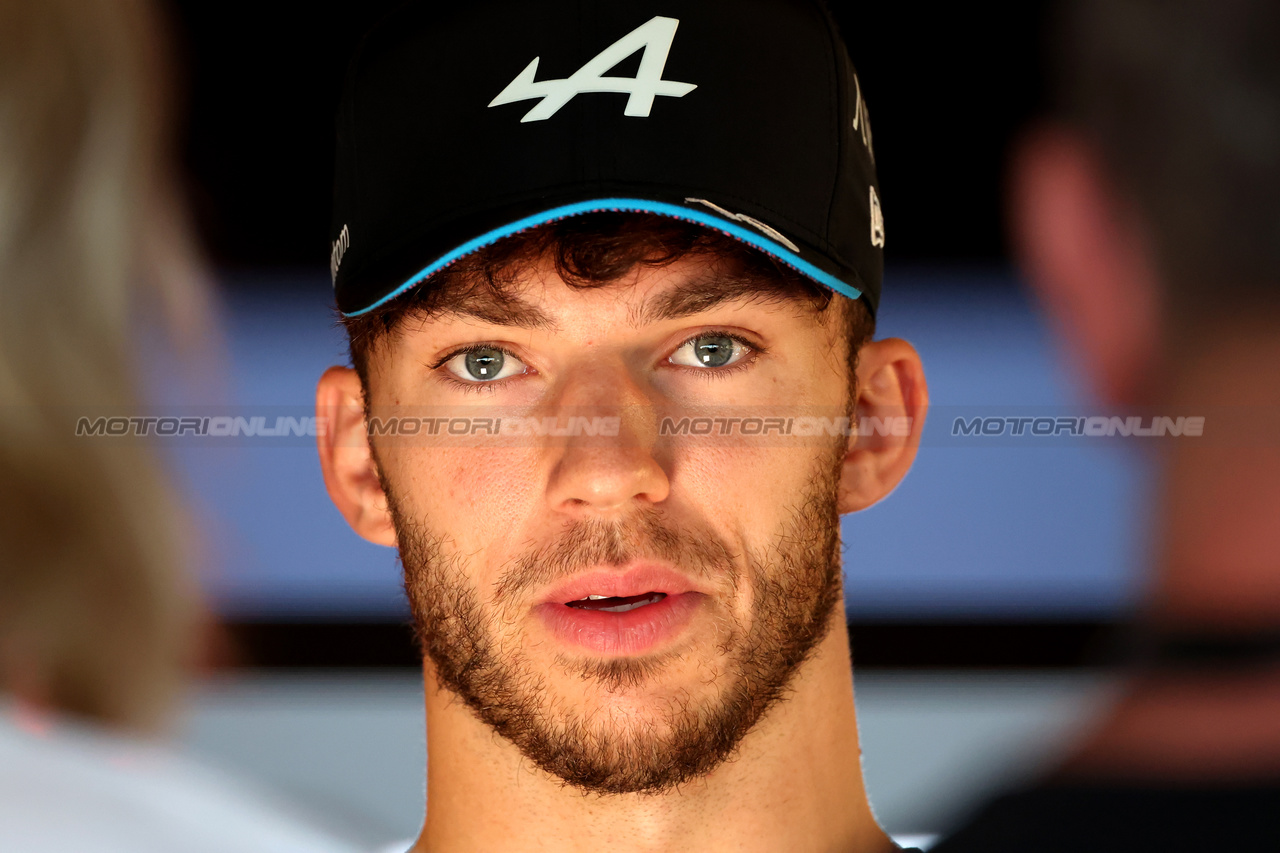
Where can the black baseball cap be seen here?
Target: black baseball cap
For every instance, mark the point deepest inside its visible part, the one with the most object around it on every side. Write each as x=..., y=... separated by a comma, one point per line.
x=463, y=124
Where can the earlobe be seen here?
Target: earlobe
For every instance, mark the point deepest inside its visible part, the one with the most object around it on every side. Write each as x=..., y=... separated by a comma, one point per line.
x=350, y=473
x=893, y=400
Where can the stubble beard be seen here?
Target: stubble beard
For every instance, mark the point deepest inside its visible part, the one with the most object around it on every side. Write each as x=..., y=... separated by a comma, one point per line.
x=796, y=586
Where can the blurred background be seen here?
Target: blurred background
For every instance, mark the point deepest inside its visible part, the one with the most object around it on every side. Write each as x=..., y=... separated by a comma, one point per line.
x=982, y=594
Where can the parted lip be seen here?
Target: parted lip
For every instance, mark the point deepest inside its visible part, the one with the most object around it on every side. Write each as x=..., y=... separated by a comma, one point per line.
x=637, y=578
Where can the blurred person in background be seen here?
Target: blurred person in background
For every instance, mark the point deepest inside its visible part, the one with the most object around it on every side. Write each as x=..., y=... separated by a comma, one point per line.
x=1148, y=219
x=96, y=608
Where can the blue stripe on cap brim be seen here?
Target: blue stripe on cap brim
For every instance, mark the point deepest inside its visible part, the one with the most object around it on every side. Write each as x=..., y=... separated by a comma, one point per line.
x=627, y=205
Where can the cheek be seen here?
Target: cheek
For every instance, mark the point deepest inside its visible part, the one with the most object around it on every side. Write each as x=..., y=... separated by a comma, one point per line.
x=473, y=496
x=746, y=493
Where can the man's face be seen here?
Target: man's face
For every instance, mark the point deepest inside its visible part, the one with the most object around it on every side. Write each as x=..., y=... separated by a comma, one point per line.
x=622, y=606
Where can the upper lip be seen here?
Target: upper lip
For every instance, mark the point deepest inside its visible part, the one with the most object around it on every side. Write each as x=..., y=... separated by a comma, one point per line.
x=635, y=578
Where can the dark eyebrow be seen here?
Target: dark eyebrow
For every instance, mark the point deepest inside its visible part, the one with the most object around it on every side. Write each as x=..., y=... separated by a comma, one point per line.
x=494, y=307
x=710, y=289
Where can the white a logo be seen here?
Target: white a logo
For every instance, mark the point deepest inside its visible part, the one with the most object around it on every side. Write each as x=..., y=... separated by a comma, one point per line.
x=654, y=38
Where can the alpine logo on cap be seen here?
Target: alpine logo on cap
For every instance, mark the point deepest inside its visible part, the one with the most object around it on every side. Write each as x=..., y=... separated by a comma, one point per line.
x=654, y=38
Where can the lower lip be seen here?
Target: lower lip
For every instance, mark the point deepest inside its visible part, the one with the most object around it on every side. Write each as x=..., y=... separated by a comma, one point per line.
x=630, y=633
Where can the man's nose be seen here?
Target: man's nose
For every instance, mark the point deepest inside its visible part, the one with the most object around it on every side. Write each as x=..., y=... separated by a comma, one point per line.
x=609, y=460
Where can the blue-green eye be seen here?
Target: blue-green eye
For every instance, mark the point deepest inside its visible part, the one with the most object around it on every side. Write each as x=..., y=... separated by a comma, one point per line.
x=484, y=364
x=712, y=350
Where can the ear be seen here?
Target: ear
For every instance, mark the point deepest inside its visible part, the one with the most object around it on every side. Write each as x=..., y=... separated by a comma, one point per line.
x=350, y=473
x=1087, y=256
x=893, y=400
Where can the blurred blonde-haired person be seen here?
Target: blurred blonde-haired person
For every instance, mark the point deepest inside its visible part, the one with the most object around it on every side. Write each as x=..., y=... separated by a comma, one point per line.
x=96, y=608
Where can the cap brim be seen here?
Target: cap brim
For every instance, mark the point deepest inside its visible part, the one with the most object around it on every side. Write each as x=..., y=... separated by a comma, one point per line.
x=708, y=219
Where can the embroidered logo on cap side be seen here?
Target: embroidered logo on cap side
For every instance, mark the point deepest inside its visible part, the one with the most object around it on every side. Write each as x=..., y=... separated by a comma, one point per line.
x=877, y=221
x=654, y=38
x=767, y=230
x=862, y=121
x=339, y=249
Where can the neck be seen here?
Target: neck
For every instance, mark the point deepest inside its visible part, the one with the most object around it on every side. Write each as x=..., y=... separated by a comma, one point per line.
x=795, y=784
x=1217, y=571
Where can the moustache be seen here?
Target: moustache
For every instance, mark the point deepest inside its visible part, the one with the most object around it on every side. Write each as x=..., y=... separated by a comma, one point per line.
x=650, y=534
